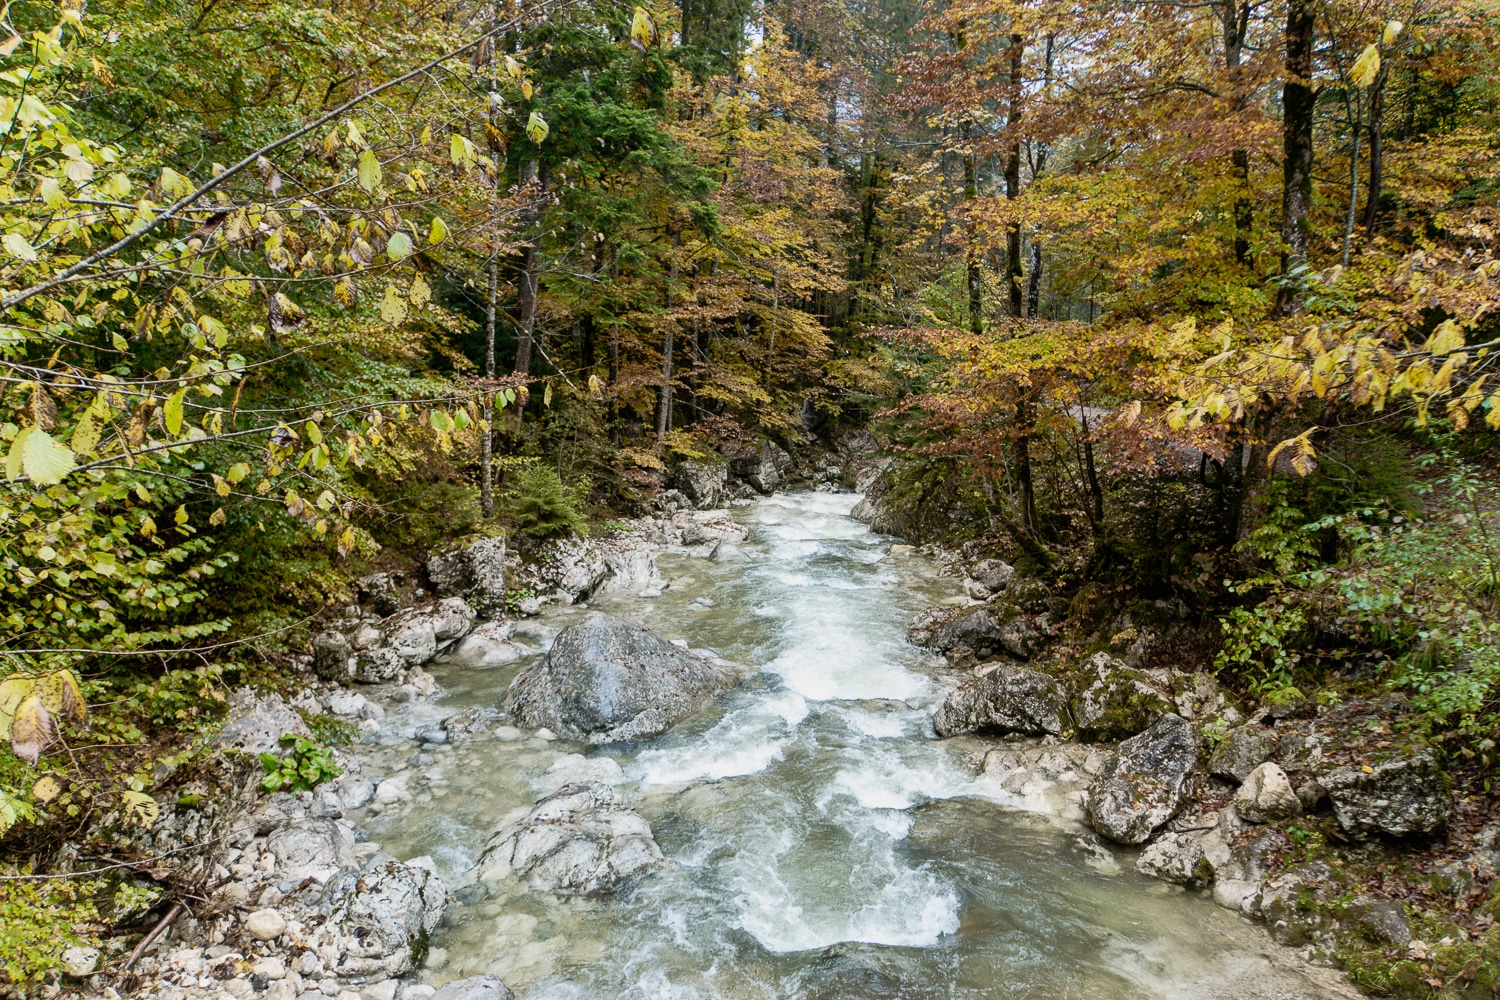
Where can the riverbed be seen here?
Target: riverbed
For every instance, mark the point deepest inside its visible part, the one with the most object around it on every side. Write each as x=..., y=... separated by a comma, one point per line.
x=820, y=841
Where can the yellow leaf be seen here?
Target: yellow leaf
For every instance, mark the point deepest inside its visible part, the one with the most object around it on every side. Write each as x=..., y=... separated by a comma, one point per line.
x=62, y=696
x=1446, y=339
x=420, y=293
x=1392, y=30
x=13, y=691
x=439, y=231
x=139, y=809
x=46, y=789
x=42, y=459
x=536, y=128
x=1366, y=67
x=369, y=169
x=217, y=517
x=642, y=30
x=393, y=306
x=172, y=412
x=17, y=246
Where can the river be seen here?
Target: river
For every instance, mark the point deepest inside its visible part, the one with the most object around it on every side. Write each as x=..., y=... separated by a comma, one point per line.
x=820, y=841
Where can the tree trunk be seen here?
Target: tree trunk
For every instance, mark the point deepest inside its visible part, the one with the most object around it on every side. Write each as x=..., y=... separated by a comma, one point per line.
x=664, y=394
x=1297, y=100
x=973, y=276
x=1354, y=123
x=1236, y=22
x=1034, y=280
x=487, y=440
x=1013, y=178
x=531, y=264
x=1377, y=150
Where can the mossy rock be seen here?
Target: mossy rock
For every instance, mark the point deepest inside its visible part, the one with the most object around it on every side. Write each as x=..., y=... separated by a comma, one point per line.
x=1113, y=701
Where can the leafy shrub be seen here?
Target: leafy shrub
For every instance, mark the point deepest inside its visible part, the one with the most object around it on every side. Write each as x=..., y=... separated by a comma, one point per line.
x=305, y=768
x=541, y=505
x=40, y=919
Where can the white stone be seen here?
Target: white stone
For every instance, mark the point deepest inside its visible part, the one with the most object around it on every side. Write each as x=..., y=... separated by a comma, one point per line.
x=1267, y=796
x=239, y=988
x=265, y=925
x=436, y=958
x=80, y=961
x=271, y=967
x=385, y=990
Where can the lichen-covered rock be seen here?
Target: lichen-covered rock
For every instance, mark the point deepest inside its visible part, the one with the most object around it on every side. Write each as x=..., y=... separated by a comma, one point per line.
x=1112, y=701
x=705, y=484
x=1296, y=911
x=257, y=724
x=580, y=840
x=1177, y=858
x=920, y=631
x=381, y=591
x=1145, y=783
x=993, y=574
x=1239, y=872
x=1267, y=796
x=1381, y=921
x=312, y=848
x=377, y=666
x=475, y=572
x=1241, y=751
x=332, y=653
x=381, y=919
x=1400, y=797
x=1005, y=700
x=763, y=467
x=606, y=680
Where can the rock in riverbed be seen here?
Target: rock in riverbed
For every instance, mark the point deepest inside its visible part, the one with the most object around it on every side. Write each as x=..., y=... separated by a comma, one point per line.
x=580, y=840
x=607, y=680
x=1145, y=783
x=1006, y=700
x=474, y=988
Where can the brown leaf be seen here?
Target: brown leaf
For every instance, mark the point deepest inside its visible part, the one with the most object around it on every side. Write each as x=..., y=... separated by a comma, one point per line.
x=41, y=410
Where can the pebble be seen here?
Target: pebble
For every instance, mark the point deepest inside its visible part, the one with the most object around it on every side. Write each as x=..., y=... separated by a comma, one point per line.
x=238, y=988
x=383, y=990
x=545, y=734
x=436, y=958
x=508, y=734
x=271, y=967
x=265, y=925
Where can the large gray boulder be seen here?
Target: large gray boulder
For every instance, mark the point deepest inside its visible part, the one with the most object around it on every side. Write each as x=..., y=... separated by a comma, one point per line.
x=706, y=484
x=1145, y=783
x=763, y=467
x=993, y=574
x=257, y=724
x=580, y=840
x=1113, y=701
x=473, y=988
x=605, y=680
x=382, y=919
x=1006, y=700
x=418, y=633
x=475, y=572
x=1400, y=797
x=1241, y=751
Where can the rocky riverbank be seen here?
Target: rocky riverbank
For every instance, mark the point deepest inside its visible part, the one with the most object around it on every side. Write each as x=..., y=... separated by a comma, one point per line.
x=1327, y=823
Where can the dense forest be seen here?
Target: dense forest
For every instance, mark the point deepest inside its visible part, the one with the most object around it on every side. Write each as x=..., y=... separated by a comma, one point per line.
x=1168, y=304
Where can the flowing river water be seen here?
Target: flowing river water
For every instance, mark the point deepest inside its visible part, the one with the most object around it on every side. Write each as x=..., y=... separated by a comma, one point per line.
x=820, y=842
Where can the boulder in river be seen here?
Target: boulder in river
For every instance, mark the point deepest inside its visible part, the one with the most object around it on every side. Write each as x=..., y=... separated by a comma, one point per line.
x=382, y=918
x=1403, y=796
x=1113, y=701
x=312, y=848
x=763, y=467
x=606, y=680
x=1177, y=858
x=1145, y=783
x=1005, y=700
x=580, y=840
x=331, y=652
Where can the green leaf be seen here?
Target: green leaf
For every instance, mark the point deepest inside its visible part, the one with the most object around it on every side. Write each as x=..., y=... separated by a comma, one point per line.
x=399, y=248
x=439, y=231
x=42, y=459
x=369, y=171
x=172, y=412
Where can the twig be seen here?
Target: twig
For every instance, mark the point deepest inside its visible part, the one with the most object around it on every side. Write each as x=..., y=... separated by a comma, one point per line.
x=156, y=932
